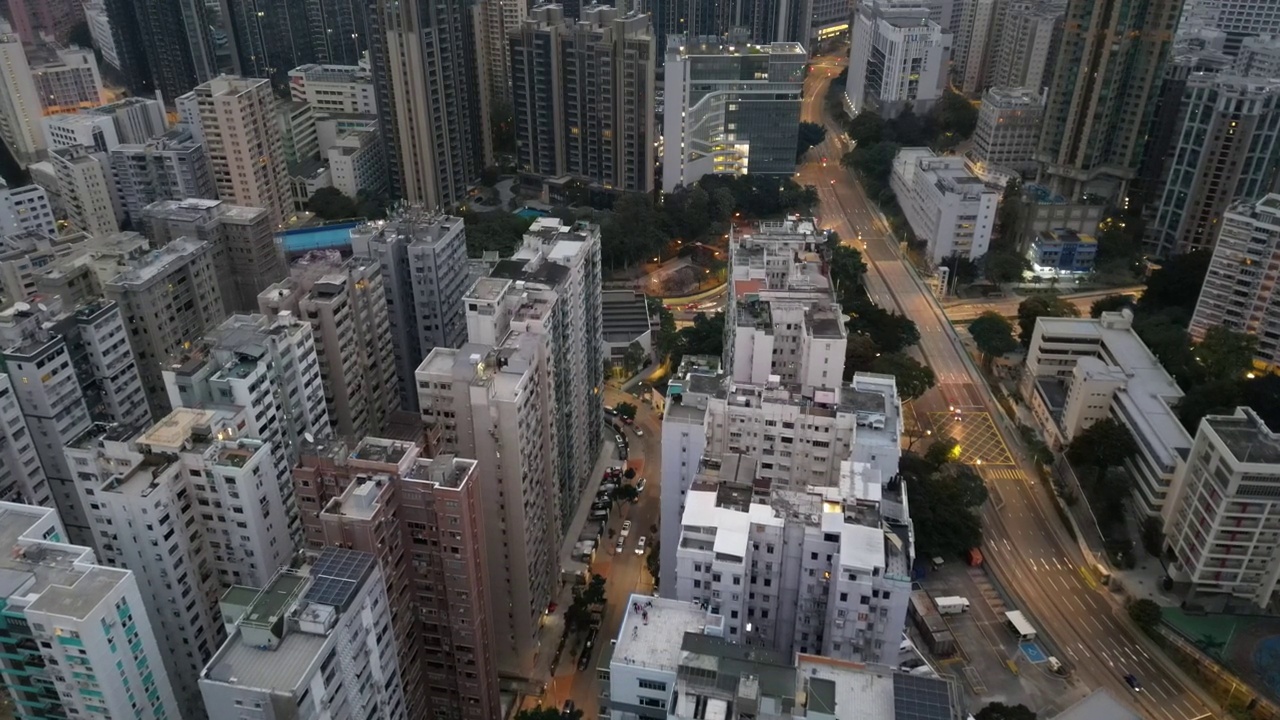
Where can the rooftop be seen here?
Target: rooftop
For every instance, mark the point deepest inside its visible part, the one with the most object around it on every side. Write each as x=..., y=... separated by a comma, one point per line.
x=653, y=629
x=848, y=690
x=381, y=450
x=445, y=471
x=722, y=670
x=58, y=579
x=1247, y=437
x=175, y=429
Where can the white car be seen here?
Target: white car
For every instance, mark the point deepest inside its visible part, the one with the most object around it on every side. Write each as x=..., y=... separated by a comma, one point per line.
x=617, y=549
x=640, y=545
x=639, y=432
x=626, y=530
x=640, y=485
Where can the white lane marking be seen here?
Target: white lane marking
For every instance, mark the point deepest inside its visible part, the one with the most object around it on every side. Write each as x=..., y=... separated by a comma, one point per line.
x=1084, y=650
x=1095, y=622
x=1057, y=564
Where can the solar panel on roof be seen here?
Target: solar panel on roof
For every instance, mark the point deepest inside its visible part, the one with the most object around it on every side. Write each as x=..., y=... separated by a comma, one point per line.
x=921, y=698
x=336, y=575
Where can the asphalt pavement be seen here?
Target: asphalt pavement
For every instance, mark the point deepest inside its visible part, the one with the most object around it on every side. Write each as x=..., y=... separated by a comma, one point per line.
x=1027, y=548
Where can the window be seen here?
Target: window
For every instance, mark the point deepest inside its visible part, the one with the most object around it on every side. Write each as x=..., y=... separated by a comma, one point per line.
x=652, y=685
x=653, y=703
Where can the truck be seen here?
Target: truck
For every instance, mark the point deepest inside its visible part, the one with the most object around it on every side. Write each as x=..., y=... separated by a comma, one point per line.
x=1021, y=627
x=951, y=605
x=975, y=557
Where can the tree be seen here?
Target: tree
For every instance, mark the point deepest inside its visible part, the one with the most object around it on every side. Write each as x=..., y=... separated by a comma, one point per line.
x=490, y=176
x=1110, y=303
x=1000, y=711
x=1004, y=266
x=946, y=521
x=810, y=135
x=1102, y=445
x=847, y=270
x=993, y=334
x=1176, y=284
x=624, y=493
x=666, y=340
x=874, y=164
x=1146, y=614
x=330, y=203
x=1212, y=397
x=1263, y=393
x=1038, y=306
x=1165, y=333
x=941, y=452
x=962, y=268
x=1008, y=219
x=626, y=410
x=494, y=231
x=891, y=332
x=502, y=123
x=705, y=336
x=859, y=353
x=867, y=128
x=653, y=562
x=954, y=119
x=913, y=379
x=1225, y=353
x=547, y=713
x=634, y=358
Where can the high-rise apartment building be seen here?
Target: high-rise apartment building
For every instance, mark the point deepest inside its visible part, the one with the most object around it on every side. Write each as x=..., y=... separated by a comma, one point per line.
x=268, y=39
x=168, y=298
x=85, y=188
x=1259, y=57
x=318, y=640
x=95, y=13
x=583, y=95
x=34, y=18
x=268, y=367
x=240, y=132
x=297, y=121
x=22, y=478
x=897, y=57
x=334, y=88
x=136, y=120
x=1221, y=534
x=192, y=507
x=980, y=26
x=70, y=368
x=346, y=306
x=1225, y=150
x=68, y=81
x=244, y=236
x=1008, y=131
x=1239, y=290
x=64, y=610
x=1092, y=141
x=1027, y=45
x=167, y=45
x=26, y=209
x=824, y=570
x=496, y=21
x=423, y=58
x=96, y=132
x=20, y=107
x=172, y=167
x=730, y=109
x=423, y=258
x=422, y=518
x=340, y=31
x=497, y=401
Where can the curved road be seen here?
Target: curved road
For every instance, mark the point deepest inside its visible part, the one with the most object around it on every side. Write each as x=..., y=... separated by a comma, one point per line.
x=1027, y=548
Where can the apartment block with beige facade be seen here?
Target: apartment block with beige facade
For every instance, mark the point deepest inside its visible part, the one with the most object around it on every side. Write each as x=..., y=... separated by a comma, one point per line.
x=246, y=148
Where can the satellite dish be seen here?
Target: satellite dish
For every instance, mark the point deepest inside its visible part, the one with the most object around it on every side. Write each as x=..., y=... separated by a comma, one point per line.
x=22, y=307
x=310, y=438
x=42, y=307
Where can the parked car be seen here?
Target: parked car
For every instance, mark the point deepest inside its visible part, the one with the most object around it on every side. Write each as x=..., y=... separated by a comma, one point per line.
x=568, y=708
x=640, y=485
x=610, y=411
x=640, y=545
x=639, y=432
x=617, y=548
x=626, y=529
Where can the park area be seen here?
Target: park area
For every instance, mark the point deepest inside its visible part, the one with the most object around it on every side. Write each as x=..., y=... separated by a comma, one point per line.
x=1247, y=645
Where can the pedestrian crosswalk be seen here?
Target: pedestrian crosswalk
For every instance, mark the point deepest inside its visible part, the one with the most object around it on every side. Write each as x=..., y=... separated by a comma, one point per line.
x=1002, y=473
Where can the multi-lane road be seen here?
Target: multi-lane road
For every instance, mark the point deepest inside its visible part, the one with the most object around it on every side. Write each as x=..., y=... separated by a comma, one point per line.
x=1028, y=550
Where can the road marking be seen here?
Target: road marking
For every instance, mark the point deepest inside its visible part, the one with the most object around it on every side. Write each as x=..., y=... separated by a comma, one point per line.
x=1057, y=564
x=1095, y=622
x=1084, y=650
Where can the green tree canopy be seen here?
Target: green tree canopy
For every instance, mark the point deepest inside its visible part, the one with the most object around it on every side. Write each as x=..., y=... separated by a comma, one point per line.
x=705, y=336
x=1145, y=613
x=1104, y=444
x=1176, y=285
x=1002, y=266
x=993, y=334
x=913, y=379
x=1000, y=711
x=847, y=270
x=943, y=508
x=859, y=353
x=1038, y=306
x=810, y=135
x=942, y=451
x=1110, y=303
x=954, y=119
x=867, y=128
x=626, y=410
x=891, y=332
x=1226, y=354
x=494, y=231
x=624, y=493
x=330, y=203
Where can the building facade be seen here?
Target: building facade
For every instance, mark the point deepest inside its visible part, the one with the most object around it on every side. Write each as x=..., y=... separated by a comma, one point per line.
x=423, y=258
x=1239, y=290
x=244, y=143
x=1008, y=130
x=69, y=611
x=946, y=204
x=421, y=518
x=1226, y=150
x=1092, y=141
x=22, y=478
x=172, y=167
x=20, y=107
x=69, y=83
x=334, y=88
x=583, y=95
x=716, y=122
x=346, y=306
x=1030, y=32
x=897, y=57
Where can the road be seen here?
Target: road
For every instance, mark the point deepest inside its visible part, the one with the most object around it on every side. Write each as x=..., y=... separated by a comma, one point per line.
x=625, y=573
x=1028, y=550
x=968, y=310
